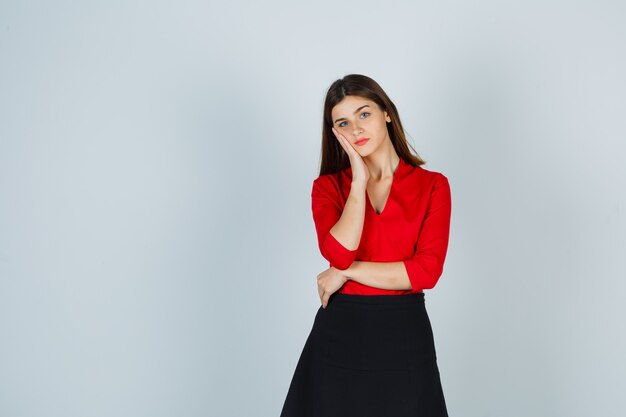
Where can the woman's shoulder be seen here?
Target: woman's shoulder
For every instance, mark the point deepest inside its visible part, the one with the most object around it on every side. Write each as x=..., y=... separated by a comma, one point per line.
x=334, y=183
x=422, y=174
x=334, y=186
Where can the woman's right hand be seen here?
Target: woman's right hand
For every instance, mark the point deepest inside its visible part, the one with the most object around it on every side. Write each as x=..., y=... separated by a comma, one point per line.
x=360, y=173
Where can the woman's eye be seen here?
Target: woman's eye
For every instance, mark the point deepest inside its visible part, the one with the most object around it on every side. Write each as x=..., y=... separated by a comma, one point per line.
x=363, y=115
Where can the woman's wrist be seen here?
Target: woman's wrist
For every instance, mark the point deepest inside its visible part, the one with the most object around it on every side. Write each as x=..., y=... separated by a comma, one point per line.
x=348, y=272
x=359, y=185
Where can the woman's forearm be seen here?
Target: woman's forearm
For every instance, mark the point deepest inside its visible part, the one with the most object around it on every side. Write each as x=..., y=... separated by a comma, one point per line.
x=349, y=227
x=384, y=275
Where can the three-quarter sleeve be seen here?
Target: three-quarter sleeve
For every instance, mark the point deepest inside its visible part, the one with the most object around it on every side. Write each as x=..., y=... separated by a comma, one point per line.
x=327, y=210
x=426, y=265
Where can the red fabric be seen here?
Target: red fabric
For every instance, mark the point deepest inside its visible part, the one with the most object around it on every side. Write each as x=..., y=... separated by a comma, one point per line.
x=414, y=226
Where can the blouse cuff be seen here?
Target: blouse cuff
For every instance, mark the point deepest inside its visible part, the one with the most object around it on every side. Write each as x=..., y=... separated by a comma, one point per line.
x=338, y=255
x=419, y=279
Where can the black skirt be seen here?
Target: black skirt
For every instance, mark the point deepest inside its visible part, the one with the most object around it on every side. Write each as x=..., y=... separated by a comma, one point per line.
x=368, y=356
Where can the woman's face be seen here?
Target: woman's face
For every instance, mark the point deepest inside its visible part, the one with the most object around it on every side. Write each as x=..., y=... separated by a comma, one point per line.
x=358, y=118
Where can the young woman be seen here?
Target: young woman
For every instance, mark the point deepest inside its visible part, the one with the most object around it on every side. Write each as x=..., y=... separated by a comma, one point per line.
x=383, y=224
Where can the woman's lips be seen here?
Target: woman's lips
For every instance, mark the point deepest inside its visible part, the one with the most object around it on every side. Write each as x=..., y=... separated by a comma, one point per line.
x=361, y=141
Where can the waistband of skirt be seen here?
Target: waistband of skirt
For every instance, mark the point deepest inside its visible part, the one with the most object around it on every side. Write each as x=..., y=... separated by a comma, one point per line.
x=378, y=298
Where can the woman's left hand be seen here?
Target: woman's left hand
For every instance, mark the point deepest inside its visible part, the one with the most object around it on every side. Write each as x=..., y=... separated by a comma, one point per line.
x=328, y=282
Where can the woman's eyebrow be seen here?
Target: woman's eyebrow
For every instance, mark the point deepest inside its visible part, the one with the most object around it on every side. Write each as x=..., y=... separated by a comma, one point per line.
x=355, y=112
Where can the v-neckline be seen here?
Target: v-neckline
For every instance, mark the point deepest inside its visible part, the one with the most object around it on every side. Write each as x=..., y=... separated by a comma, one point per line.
x=393, y=182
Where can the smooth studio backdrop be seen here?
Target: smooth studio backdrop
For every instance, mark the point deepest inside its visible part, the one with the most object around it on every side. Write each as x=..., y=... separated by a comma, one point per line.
x=157, y=250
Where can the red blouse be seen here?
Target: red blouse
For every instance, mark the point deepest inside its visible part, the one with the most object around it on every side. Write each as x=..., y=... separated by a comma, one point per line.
x=414, y=226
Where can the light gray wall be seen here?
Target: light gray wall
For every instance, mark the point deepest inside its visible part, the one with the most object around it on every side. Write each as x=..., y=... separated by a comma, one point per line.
x=157, y=251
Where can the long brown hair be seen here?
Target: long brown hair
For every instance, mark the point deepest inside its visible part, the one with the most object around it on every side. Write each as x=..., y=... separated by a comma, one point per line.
x=334, y=158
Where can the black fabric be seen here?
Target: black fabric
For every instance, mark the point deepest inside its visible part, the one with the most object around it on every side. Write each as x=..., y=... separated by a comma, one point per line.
x=368, y=356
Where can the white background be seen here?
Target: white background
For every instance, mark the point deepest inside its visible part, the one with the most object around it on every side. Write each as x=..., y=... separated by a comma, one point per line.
x=157, y=250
